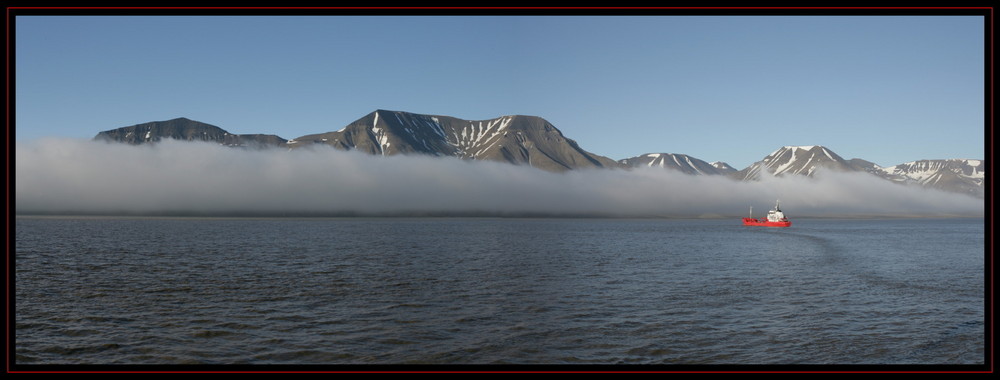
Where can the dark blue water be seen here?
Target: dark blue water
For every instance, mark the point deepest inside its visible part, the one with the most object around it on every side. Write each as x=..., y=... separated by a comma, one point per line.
x=497, y=291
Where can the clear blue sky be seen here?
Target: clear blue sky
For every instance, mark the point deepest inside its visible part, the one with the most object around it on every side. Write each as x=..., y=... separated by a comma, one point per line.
x=889, y=89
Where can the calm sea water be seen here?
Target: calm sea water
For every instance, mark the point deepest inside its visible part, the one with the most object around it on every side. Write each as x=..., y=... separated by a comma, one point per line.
x=497, y=291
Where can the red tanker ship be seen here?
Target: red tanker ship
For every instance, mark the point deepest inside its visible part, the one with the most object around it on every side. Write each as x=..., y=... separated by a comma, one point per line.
x=775, y=218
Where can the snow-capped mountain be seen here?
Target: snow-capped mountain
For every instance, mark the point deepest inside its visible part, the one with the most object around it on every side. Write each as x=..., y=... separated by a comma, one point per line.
x=795, y=160
x=961, y=175
x=681, y=162
x=188, y=130
x=533, y=141
x=956, y=175
x=724, y=167
x=518, y=139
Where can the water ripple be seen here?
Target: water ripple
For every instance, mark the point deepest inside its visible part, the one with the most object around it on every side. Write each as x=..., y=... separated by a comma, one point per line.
x=495, y=291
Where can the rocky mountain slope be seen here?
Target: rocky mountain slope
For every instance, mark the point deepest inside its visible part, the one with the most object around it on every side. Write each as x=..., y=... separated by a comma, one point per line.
x=522, y=140
x=959, y=175
x=188, y=130
x=795, y=160
x=680, y=162
x=956, y=175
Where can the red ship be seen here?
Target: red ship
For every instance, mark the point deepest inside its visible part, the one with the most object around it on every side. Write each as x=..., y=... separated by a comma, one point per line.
x=775, y=218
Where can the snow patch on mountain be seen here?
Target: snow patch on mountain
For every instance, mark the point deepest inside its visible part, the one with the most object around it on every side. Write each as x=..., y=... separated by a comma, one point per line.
x=796, y=160
x=673, y=161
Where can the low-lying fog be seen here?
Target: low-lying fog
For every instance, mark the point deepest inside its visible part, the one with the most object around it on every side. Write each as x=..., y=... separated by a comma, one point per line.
x=82, y=176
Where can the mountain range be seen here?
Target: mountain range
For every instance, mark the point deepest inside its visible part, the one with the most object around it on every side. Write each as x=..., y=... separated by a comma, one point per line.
x=533, y=141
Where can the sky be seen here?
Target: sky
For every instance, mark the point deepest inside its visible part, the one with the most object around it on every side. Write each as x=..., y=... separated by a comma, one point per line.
x=888, y=89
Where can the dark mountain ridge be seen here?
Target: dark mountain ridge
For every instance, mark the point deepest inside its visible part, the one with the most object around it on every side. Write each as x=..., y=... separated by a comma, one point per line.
x=187, y=130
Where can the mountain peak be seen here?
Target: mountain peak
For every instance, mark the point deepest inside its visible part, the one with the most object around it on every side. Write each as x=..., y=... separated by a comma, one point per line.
x=185, y=129
x=518, y=139
x=674, y=161
x=796, y=160
x=806, y=147
x=795, y=148
x=723, y=166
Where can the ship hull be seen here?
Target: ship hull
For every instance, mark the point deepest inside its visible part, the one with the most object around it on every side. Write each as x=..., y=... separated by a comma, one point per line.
x=764, y=223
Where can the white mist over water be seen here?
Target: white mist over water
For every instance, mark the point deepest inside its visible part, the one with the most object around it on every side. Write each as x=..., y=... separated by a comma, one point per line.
x=82, y=176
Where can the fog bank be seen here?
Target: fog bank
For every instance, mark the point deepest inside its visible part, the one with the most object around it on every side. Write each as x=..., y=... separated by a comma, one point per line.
x=85, y=177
